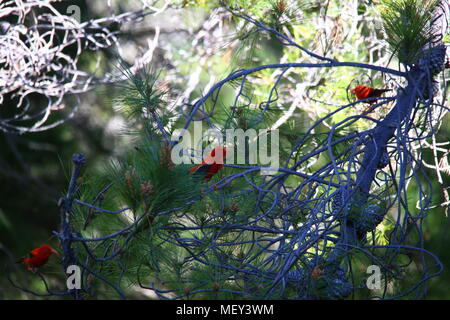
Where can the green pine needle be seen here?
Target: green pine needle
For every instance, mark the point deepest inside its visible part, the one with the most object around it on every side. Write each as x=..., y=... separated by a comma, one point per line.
x=408, y=26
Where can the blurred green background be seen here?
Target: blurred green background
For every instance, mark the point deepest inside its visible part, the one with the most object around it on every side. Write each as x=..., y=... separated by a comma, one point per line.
x=35, y=168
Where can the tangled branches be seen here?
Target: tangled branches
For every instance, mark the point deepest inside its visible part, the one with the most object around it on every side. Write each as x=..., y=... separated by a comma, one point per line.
x=40, y=50
x=339, y=203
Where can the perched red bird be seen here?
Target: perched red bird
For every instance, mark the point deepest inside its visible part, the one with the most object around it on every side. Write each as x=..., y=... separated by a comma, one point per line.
x=38, y=257
x=210, y=165
x=363, y=92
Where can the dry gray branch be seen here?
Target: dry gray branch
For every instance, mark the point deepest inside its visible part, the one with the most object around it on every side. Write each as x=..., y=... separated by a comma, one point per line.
x=40, y=52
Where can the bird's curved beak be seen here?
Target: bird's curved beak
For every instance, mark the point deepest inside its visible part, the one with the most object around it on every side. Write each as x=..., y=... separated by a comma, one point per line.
x=352, y=91
x=56, y=252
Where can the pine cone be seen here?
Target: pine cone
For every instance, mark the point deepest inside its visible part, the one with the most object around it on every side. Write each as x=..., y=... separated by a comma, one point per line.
x=333, y=285
x=339, y=198
x=433, y=60
x=369, y=218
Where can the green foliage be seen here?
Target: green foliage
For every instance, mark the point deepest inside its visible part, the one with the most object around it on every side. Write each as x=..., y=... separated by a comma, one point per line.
x=446, y=38
x=142, y=101
x=408, y=27
x=145, y=182
x=255, y=47
x=198, y=3
x=139, y=92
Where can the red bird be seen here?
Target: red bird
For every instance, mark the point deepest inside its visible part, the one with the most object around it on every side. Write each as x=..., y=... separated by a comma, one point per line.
x=38, y=257
x=363, y=92
x=208, y=168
